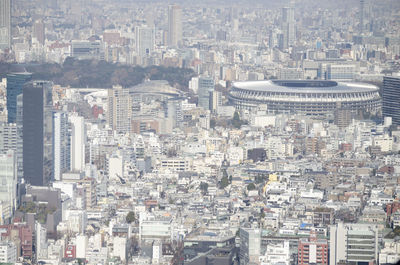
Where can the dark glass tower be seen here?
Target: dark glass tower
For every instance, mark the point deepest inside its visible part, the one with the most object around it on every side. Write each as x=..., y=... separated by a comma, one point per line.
x=37, y=132
x=15, y=83
x=391, y=98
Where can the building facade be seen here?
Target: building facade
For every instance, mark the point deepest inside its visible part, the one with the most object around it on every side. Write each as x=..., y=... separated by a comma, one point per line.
x=391, y=98
x=38, y=132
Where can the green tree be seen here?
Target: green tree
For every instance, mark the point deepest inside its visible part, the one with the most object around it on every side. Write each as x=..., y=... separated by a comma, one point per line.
x=224, y=182
x=236, y=122
x=204, y=187
x=130, y=217
x=251, y=186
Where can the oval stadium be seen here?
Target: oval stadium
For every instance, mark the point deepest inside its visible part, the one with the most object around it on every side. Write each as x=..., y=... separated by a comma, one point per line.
x=307, y=97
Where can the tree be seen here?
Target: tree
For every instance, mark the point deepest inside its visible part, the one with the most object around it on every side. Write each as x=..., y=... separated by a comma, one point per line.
x=224, y=182
x=204, y=187
x=130, y=217
x=236, y=121
x=251, y=186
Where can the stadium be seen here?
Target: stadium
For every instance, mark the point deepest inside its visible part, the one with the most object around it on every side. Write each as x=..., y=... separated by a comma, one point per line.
x=307, y=97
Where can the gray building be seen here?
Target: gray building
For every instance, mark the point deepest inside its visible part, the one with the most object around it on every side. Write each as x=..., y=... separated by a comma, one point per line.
x=206, y=87
x=38, y=132
x=5, y=24
x=391, y=98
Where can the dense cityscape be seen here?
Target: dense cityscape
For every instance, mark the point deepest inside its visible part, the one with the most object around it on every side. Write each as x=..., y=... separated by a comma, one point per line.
x=186, y=132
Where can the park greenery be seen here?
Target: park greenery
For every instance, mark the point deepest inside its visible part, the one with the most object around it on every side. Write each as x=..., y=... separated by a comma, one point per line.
x=100, y=74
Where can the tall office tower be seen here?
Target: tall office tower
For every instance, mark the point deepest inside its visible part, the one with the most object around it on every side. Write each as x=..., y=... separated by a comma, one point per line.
x=362, y=13
x=8, y=187
x=119, y=109
x=38, y=132
x=39, y=32
x=5, y=24
x=288, y=26
x=205, y=90
x=174, y=25
x=62, y=146
x=145, y=40
x=15, y=83
x=78, y=142
x=353, y=243
x=391, y=98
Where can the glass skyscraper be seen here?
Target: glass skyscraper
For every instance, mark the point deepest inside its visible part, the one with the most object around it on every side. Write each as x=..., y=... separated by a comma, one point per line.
x=38, y=132
x=391, y=98
x=15, y=83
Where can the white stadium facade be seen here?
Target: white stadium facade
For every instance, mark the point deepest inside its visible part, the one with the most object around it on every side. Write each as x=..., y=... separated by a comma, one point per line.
x=307, y=97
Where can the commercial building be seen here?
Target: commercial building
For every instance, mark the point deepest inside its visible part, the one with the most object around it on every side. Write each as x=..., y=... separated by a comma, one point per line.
x=288, y=27
x=38, y=132
x=78, y=142
x=357, y=243
x=391, y=98
x=5, y=24
x=312, y=98
x=8, y=187
x=84, y=49
x=61, y=152
x=313, y=251
x=209, y=247
x=145, y=40
x=174, y=25
x=15, y=83
x=8, y=253
x=119, y=109
x=205, y=90
x=250, y=245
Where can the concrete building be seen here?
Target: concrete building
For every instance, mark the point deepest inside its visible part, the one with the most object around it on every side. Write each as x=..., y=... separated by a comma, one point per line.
x=5, y=24
x=174, y=25
x=8, y=253
x=205, y=90
x=62, y=144
x=313, y=251
x=78, y=142
x=119, y=109
x=8, y=188
x=145, y=41
x=278, y=253
x=353, y=243
x=250, y=245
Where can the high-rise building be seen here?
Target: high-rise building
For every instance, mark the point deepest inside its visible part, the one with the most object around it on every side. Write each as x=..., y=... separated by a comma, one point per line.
x=391, y=98
x=205, y=90
x=78, y=143
x=119, y=109
x=8, y=187
x=145, y=40
x=250, y=244
x=288, y=26
x=39, y=32
x=38, y=132
x=313, y=251
x=15, y=83
x=62, y=146
x=353, y=243
x=174, y=25
x=5, y=24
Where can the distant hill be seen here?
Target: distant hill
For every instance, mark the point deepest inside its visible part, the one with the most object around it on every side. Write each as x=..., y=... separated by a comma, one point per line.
x=101, y=74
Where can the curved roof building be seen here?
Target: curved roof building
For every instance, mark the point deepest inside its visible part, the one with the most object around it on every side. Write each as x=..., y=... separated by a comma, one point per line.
x=308, y=97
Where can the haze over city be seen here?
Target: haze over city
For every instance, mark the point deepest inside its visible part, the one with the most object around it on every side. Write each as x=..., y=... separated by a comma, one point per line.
x=186, y=132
